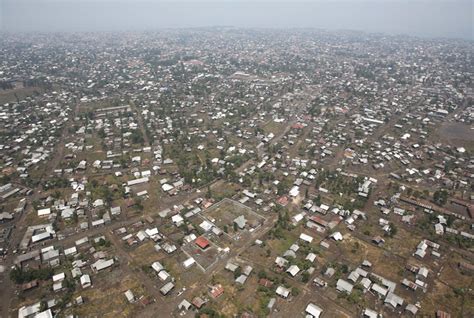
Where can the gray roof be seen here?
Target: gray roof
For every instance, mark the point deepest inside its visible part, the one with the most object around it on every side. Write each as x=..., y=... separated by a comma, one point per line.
x=241, y=279
x=393, y=300
x=344, y=286
x=167, y=288
x=240, y=221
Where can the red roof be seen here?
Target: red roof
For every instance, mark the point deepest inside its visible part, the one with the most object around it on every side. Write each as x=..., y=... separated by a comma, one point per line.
x=265, y=282
x=316, y=219
x=202, y=242
x=216, y=291
x=297, y=126
x=442, y=314
x=283, y=200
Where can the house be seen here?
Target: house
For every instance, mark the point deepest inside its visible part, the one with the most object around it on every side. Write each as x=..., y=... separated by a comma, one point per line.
x=198, y=302
x=289, y=253
x=369, y=313
x=306, y=238
x=240, y=222
x=169, y=248
x=337, y=236
x=313, y=310
x=319, y=282
x=412, y=309
x=293, y=270
x=177, y=220
x=282, y=291
x=231, y=267
x=466, y=267
x=137, y=181
x=76, y=272
x=129, y=295
x=206, y=225
x=378, y=240
x=329, y=272
x=44, y=212
x=115, y=210
x=311, y=257
x=29, y=311
x=295, y=191
x=59, y=277
x=98, y=203
x=379, y=290
x=85, y=281
x=344, y=286
x=157, y=266
x=283, y=200
x=442, y=314
x=265, y=282
x=247, y=270
x=184, y=305
x=393, y=300
x=241, y=279
x=102, y=264
x=70, y=251
x=189, y=262
x=166, y=288
x=353, y=276
x=202, y=242
x=5, y=216
x=422, y=273
x=281, y=262
x=217, y=291
x=29, y=285
x=271, y=303
x=163, y=275
x=439, y=229
x=297, y=218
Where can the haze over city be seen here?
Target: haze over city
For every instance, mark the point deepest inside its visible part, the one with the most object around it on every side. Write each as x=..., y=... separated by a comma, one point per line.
x=236, y=158
x=427, y=18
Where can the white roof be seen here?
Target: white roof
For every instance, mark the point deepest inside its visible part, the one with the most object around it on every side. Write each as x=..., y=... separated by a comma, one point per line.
x=151, y=232
x=313, y=310
x=129, y=295
x=294, y=191
x=177, y=218
x=310, y=257
x=369, y=313
x=28, y=311
x=157, y=266
x=394, y=300
x=306, y=237
x=46, y=211
x=293, y=270
x=40, y=237
x=344, y=286
x=102, y=264
x=163, y=275
x=45, y=314
x=167, y=187
x=189, y=262
x=337, y=236
x=85, y=280
x=206, y=225
x=58, y=277
x=70, y=251
x=379, y=289
x=137, y=181
x=282, y=291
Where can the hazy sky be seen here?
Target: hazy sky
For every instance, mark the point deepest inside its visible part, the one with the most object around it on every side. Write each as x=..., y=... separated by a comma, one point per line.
x=430, y=18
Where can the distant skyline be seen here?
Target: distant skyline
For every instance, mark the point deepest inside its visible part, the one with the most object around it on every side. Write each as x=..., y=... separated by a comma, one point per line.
x=426, y=18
